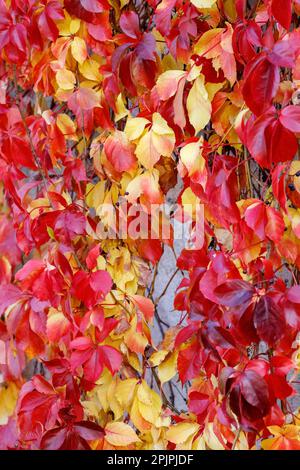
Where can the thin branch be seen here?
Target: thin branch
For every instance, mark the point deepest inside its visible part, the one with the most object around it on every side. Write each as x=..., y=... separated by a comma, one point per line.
x=165, y=400
x=166, y=287
x=120, y=303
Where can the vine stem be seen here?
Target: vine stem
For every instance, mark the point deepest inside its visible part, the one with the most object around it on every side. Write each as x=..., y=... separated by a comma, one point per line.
x=166, y=287
x=166, y=402
x=120, y=303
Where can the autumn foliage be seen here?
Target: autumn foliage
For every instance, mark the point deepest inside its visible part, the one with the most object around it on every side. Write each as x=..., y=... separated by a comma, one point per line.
x=106, y=101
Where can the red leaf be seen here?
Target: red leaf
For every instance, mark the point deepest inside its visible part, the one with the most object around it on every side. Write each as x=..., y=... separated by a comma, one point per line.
x=95, y=6
x=268, y=141
x=120, y=152
x=247, y=393
x=91, y=288
x=281, y=364
x=129, y=23
x=284, y=52
x=71, y=436
x=255, y=391
x=278, y=184
x=186, y=333
x=88, y=430
x=37, y=407
x=234, y=292
x=188, y=363
x=293, y=294
x=46, y=20
x=93, y=366
x=260, y=366
x=275, y=416
x=53, y=439
x=87, y=10
x=93, y=358
x=282, y=11
x=198, y=403
x=163, y=16
x=261, y=83
x=83, y=99
x=145, y=305
x=102, y=30
x=265, y=221
x=279, y=388
x=255, y=218
x=150, y=250
x=112, y=358
x=9, y=294
x=275, y=225
x=290, y=118
x=268, y=320
x=281, y=142
x=213, y=335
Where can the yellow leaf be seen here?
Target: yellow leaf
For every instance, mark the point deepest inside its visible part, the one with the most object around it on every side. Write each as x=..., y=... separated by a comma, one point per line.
x=149, y=403
x=120, y=434
x=180, y=432
x=100, y=392
x=157, y=357
x=122, y=111
x=143, y=393
x=167, y=83
x=168, y=368
x=190, y=202
x=74, y=25
x=113, y=402
x=198, y=105
x=79, y=50
x=189, y=155
x=157, y=142
x=290, y=431
x=211, y=439
x=95, y=196
x=65, y=79
x=90, y=70
x=67, y=126
x=199, y=444
x=160, y=127
x=194, y=162
x=68, y=26
x=212, y=89
x=135, y=127
x=209, y=45
x=133, y=358
x=267, y=444
x=137, y=419
x=146, y=153
x=203, y=3
x=145, y=186
x=124, y=392
x=8, y=399
x=229, y=7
